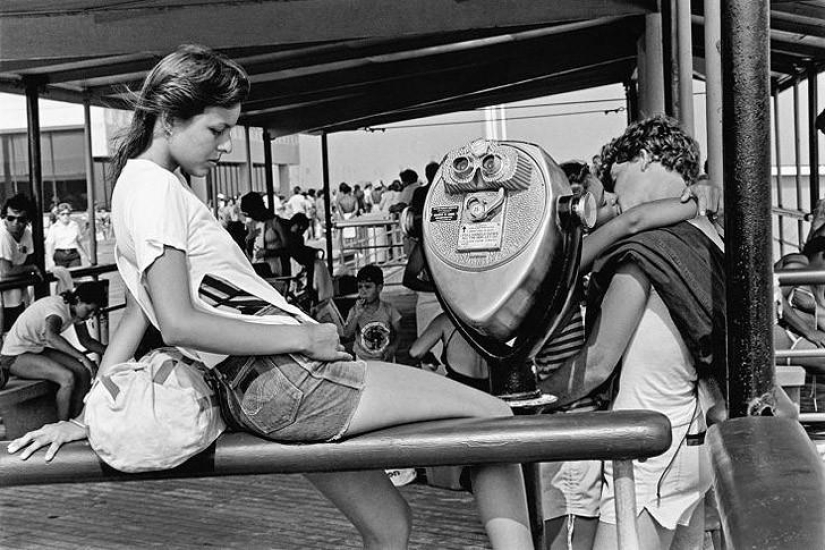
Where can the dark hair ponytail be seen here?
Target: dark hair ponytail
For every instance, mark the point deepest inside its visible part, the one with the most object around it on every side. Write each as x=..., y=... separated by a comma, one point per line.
x=183, y=84
x=133, y=141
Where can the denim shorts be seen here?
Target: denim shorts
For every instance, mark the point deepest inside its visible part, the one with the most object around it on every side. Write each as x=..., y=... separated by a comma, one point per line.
x=291, y=401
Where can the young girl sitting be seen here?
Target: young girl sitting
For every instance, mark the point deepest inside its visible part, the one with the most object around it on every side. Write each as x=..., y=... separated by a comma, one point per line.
x=35, y=349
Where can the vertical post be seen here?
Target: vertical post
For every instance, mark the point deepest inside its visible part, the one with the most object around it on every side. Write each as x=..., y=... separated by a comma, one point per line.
x=651, y=71
x=813, y=135
x=746, y=117
x=713, y=88
x=36, y=183
x=268, y=178
x=210, y=190
x=532, y=489
x=632, y=98
x=669, y=61
x=249, y=168
x=684, y=42
x=778, y=157
x=90, y=180
x=797, y=153
x=627, y=534
x=327, y=200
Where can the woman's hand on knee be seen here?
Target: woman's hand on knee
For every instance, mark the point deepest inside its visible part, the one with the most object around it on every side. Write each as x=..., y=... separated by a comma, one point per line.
x=53, y=435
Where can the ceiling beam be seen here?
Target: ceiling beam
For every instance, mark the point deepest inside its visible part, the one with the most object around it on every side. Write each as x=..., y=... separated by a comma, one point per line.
x=612, y=73
x=161, y=27
x=380, y=99
x=551, y=51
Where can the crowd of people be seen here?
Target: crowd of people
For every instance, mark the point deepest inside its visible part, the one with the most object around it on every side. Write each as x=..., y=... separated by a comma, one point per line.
x=654, y=336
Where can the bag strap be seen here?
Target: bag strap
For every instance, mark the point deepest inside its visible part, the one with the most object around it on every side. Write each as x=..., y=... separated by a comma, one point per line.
x=110, y=386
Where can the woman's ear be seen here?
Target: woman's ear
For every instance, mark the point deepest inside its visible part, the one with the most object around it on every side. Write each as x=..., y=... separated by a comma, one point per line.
x=165, y=124
x=644, y=159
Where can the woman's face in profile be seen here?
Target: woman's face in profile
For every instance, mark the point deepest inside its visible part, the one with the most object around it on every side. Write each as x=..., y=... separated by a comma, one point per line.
x=196, y=144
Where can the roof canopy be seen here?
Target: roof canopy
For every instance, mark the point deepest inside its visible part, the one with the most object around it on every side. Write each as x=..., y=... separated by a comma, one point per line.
x=330, y=65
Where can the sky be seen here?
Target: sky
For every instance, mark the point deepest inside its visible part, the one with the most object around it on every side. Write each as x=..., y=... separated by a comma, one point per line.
x=566, y=126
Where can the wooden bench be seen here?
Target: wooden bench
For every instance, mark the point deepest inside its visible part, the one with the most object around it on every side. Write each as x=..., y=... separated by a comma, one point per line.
x=620, y=436
x=26, y=405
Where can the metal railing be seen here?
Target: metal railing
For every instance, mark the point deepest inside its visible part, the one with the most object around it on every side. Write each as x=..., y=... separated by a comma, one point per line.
x=369, y=241
x=797, y=277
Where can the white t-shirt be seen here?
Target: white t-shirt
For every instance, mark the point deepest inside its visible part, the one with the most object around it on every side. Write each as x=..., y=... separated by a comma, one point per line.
x=297, y=204
x=17, y=253
x=63, y=235
x=28, y=334
x=153, y=208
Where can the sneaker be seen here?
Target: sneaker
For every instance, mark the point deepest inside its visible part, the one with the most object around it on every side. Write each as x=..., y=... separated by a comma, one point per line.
x=401, y=477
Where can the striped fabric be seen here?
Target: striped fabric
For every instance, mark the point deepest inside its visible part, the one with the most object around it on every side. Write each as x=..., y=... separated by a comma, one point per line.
x=562, y=346
x=221, y=294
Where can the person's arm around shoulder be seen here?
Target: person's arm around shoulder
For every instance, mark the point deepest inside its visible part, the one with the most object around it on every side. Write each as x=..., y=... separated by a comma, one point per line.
x=621, y=311
x=642, y=217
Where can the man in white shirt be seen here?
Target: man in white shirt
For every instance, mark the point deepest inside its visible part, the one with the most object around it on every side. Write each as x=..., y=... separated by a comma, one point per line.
x=16, y=259
x=297, y=204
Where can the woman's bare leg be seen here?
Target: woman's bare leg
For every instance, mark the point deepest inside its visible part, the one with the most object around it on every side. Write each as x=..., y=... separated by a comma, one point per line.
x=371, y=503
x=83, y=378
x=652, y=536
x=396, y=394
x=34, y=366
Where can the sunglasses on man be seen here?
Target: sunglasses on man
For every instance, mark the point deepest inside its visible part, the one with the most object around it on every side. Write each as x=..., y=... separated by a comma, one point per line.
x=12, y=218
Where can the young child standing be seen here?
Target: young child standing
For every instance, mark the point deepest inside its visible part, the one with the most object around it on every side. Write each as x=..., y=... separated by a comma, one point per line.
x=373, y=322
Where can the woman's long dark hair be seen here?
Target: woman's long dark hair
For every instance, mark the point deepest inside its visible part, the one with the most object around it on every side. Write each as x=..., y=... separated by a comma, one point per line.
x=183, y=84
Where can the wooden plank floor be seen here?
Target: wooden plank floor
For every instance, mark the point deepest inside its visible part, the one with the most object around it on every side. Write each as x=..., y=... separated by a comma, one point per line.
x=243, y=512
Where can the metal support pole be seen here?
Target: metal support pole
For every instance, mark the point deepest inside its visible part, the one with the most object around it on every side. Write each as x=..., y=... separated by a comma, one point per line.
x=249, y=168
x=778, y=157
x=684, y=43
x=36, y=183
x=627, y=533
x=797, y=153
x=532, y=490
x=631, y=92
x=90, y=180
x=813, y=135
x=268, y=178
x=327, y=201
x=211, y=199
x=671, y=76
x=713, y=89
x=651, y=69
x=746, y=117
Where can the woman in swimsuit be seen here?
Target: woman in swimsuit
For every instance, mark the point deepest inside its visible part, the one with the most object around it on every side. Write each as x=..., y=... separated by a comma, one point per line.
x=461, y=361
